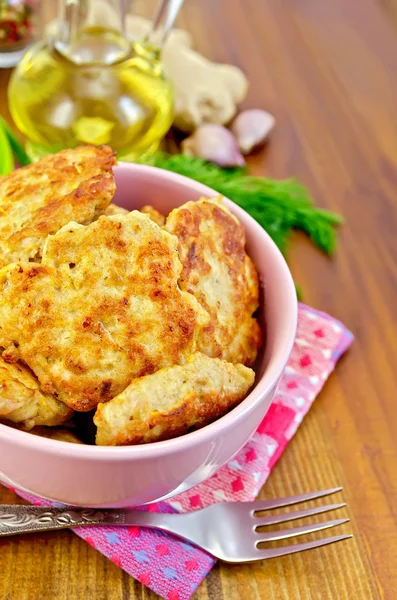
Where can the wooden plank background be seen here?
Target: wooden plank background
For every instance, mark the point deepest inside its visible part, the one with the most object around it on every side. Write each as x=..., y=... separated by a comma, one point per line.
x=328, y=71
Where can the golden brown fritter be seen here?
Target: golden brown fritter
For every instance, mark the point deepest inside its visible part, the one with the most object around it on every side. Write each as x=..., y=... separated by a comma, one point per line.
x=154, y=214
x=37, y=200
x=56, y=433
x=172, y=401
x=219, y=273
x=102, y=308
x=114, y=209
x=22, y=402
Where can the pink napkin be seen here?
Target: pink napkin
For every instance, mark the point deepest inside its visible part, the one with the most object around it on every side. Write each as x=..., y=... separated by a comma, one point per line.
x=174, y=569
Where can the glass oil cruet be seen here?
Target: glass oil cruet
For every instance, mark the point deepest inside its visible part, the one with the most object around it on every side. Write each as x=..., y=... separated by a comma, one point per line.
x=90, y=84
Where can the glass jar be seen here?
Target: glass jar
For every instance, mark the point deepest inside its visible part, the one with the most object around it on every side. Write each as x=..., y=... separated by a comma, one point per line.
x=90, y=84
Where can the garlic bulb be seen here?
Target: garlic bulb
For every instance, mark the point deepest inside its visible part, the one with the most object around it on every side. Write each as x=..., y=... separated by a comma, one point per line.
x=215, y=144
x=251, y=128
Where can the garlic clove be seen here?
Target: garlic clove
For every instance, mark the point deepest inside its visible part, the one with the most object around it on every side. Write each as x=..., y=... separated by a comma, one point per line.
x=214, y=143
x=251, y=128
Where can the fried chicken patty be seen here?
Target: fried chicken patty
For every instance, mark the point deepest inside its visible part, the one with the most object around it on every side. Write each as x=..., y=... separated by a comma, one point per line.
x=22, y=402
x=172, y=401
x=102, y=308
x=56, y=433
x=37, y=200
x=220, y=274
x=115, y=209
x=154, y=214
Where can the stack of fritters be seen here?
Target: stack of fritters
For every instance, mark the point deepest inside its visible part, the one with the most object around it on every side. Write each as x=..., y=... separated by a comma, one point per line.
x=73, y=185
x=146, y=319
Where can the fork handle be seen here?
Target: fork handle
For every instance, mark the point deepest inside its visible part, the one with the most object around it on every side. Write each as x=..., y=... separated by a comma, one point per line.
x=16, y=519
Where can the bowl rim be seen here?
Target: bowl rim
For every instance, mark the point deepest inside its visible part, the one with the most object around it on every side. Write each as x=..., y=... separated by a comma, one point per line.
x=269, y=378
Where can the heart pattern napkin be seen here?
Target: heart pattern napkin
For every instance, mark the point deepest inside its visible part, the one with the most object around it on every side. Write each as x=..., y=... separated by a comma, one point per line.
x=175, y=569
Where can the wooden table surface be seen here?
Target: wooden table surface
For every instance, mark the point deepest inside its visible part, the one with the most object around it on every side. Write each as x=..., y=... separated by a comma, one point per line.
x=328, y=71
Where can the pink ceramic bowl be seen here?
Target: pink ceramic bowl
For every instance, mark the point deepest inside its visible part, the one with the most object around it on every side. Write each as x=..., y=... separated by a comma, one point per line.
x=134, y=475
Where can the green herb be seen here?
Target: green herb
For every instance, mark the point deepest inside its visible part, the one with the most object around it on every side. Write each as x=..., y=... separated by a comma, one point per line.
x=299, y=292
x=279, y=206
x=6, y=157
x=16, y=147
x=11, y=150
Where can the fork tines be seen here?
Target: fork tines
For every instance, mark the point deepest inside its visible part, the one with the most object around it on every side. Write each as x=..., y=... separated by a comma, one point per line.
x=262, y=521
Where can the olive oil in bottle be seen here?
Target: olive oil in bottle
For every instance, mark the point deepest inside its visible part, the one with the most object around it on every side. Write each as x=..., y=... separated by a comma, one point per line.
x=91, y=85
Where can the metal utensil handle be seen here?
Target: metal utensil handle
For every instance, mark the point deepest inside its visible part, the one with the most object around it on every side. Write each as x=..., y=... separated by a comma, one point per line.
x=27, y=519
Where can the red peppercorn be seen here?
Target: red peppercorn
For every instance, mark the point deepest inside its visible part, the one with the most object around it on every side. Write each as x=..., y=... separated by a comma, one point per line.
x=15, y=25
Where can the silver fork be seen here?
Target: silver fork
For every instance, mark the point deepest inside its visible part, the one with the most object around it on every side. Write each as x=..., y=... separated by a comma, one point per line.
x=229, y=531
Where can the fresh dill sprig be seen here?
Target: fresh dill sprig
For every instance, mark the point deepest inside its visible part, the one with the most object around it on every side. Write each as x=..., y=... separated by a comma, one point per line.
x=279, y=206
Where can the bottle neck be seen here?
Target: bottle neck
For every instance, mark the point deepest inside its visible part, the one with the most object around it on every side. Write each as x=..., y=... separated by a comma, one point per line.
x=92, y=32
x=163, y=22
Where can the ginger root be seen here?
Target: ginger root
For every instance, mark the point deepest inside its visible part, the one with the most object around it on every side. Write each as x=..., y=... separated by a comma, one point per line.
x=205, y=92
